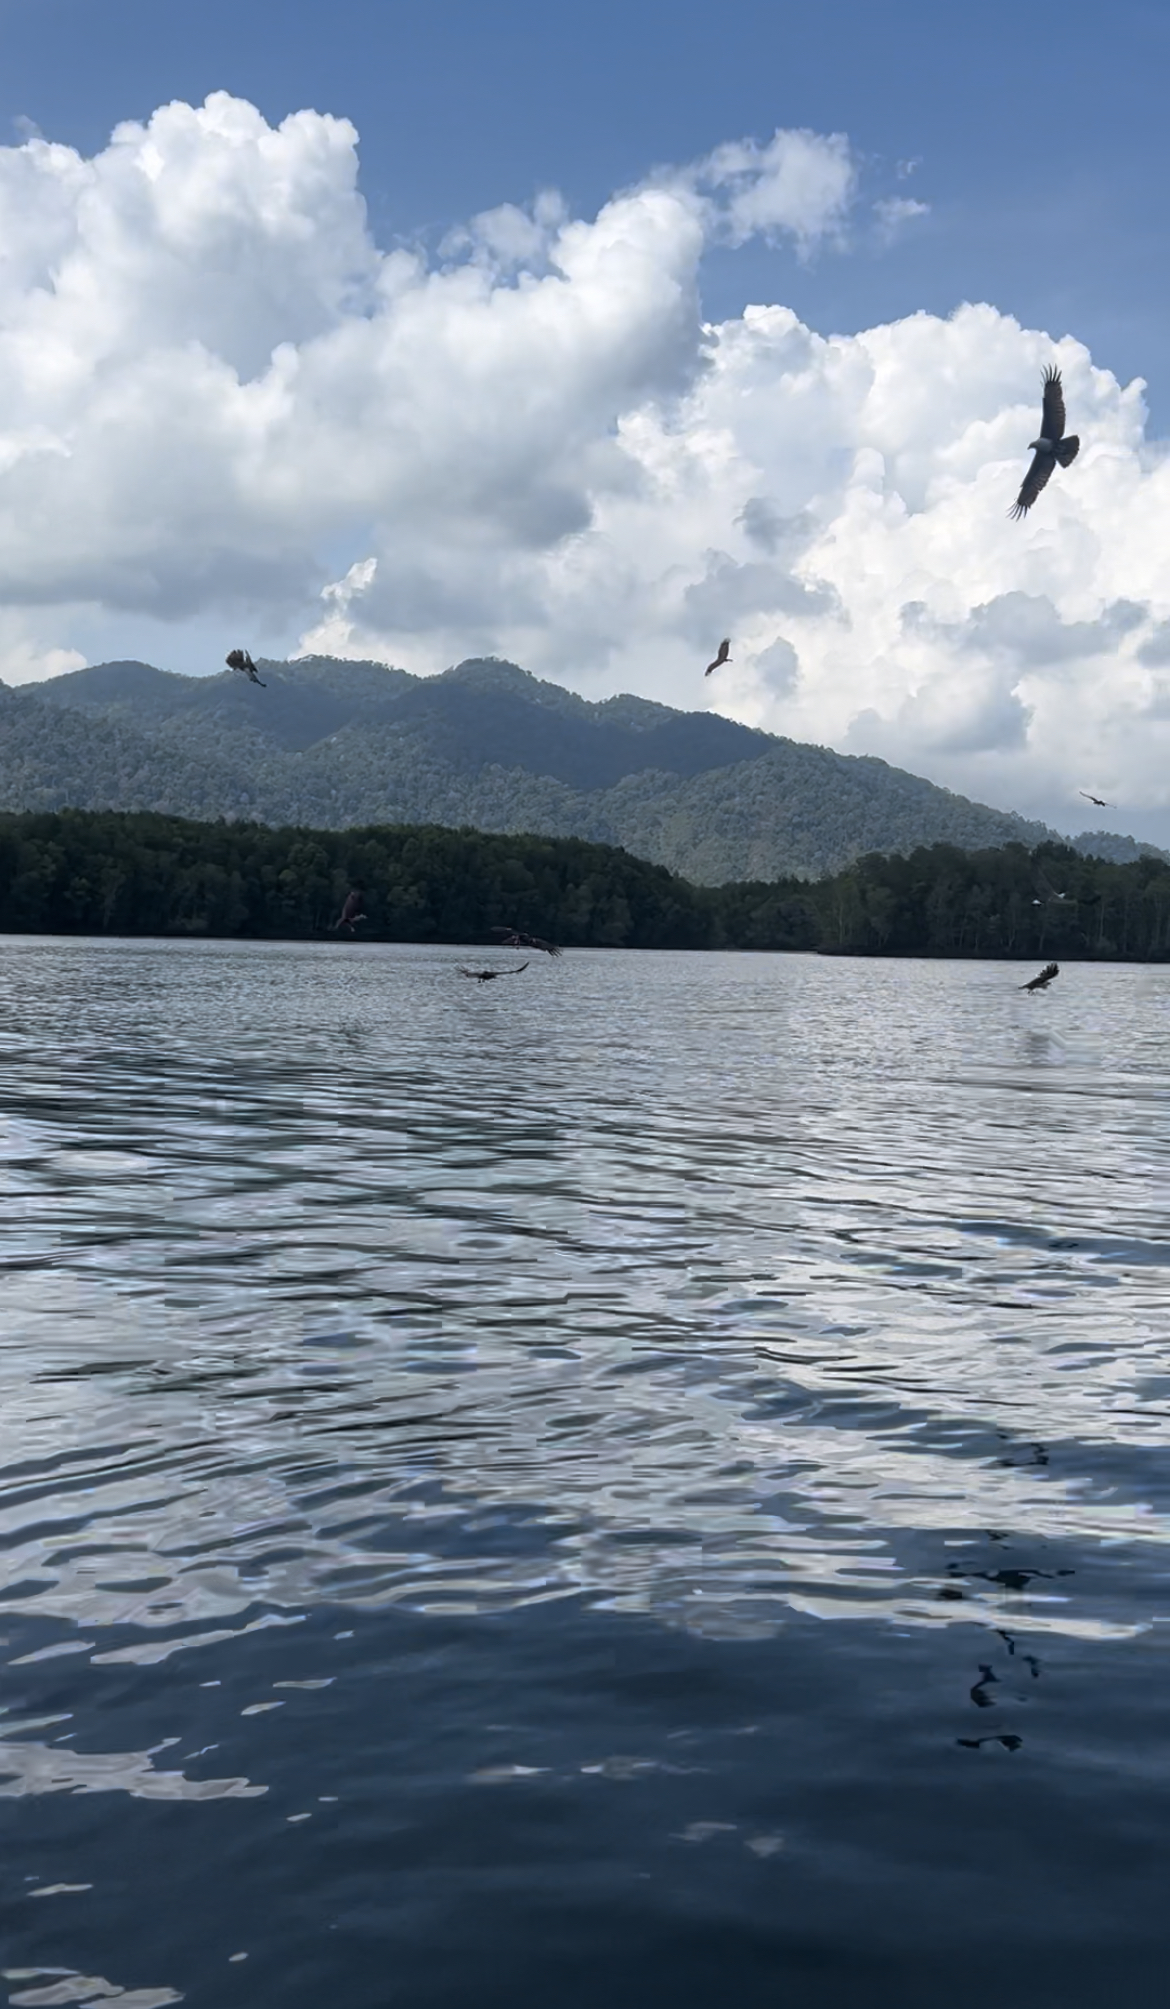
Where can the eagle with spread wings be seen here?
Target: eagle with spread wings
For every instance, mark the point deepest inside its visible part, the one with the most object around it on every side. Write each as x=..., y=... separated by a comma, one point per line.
x=1045, y=977
x=515, y=938
x=1051, y=447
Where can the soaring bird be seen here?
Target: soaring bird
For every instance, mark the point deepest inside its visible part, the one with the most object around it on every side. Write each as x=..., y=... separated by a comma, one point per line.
x=1095, y=799
x=352, y=911
x=1050, y=891
x=1052, y=446
x=1045, y=977
x=488, y=976
x=239, y=659
x=515, y=938
x=724, y=656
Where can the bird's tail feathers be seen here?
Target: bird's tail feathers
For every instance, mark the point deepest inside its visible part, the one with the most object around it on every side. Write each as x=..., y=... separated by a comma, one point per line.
x=1068, y=449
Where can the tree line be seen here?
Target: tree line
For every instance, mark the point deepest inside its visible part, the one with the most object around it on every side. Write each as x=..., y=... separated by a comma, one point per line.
x=110, y=873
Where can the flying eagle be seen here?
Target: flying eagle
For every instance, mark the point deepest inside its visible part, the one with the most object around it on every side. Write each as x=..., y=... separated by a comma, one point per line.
x=1052, y=446
x=351, y=912
x=724, y=656
x=1050, y=890
x=239, y=659
x=487, y=976
x=1045, y=977
x=515, y=938
x=1094, y=799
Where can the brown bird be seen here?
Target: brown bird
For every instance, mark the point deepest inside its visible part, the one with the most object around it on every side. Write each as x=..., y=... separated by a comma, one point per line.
x=1052, y=446
x=351, y=912
x=1095, y=799
x=724, y=656
x=515, y=938
x=239, y=659
x=1045, y=977
x=488, y=976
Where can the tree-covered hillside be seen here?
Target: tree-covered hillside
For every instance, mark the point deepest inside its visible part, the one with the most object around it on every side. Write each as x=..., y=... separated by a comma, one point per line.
x=157, y=875
x=335, y=744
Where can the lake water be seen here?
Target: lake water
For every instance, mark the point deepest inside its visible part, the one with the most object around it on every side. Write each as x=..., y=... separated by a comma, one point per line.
x=647, y=1482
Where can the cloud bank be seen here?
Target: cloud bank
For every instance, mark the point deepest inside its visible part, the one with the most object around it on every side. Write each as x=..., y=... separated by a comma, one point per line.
x=222, y=402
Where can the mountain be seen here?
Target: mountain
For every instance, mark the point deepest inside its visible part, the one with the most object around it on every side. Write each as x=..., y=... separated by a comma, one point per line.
x=331, y=743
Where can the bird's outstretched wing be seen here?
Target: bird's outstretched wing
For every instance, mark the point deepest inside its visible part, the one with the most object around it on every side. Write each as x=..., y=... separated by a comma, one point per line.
x=723, y=655
x=1033, y=482
x=515, y=938
x=1096, y=800
x=1045, y=977
x=486, y=976
x=240, y=659
x=1052, y=422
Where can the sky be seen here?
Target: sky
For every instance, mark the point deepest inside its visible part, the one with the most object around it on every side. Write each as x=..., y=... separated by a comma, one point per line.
x=587, y=336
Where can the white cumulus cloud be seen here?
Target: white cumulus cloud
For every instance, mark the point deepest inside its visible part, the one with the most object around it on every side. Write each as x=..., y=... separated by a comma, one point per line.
x=222, y=401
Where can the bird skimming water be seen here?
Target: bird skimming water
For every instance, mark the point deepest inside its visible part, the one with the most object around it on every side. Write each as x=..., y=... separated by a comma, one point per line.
x=352, y=911
x=487, y=976
x=1045, y=977
x=1052, y=446
x=515, y=938
x=723, y=656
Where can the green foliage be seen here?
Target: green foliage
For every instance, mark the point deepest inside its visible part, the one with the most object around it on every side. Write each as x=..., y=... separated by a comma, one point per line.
x=333, y=744
x=79, y=872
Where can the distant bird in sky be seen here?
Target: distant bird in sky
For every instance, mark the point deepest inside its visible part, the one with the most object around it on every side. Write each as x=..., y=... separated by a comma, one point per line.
x=488, y=976
x=239, y=659
x=515, y=938
x=1052, y=446
x=1095, y=799
x=724, y=656
x=352, y=911
x=1045, y=977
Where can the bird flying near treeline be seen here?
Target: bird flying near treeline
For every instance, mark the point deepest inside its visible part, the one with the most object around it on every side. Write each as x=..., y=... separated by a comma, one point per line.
x=515, y=938
x=723, y=656
x=1052, y=446
x=239, y=659
x=488, y=976
x=1045, y=977
x=351, y=913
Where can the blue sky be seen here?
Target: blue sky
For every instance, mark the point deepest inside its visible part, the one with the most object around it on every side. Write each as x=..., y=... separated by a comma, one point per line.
x=305, y=359
x=1040, y=129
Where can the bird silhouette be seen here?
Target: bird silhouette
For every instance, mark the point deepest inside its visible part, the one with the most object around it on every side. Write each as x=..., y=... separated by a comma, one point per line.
x=351, y=912
x=1045, y=977
x=515, y=938
x=1094, y=799
x=1051, y=447
x=239, y=659
x=723, y=656
x=1050, y=889
x=489, y=976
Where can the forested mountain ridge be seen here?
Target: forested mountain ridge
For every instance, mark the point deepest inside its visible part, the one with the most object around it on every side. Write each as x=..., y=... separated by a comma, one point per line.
x=332, y=744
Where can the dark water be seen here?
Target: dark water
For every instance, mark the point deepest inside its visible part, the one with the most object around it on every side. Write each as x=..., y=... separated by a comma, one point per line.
x=647, y=1483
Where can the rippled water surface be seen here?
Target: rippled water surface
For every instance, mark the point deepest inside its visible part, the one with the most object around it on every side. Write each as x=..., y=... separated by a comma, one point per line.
x=643, y=1483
